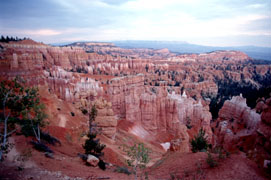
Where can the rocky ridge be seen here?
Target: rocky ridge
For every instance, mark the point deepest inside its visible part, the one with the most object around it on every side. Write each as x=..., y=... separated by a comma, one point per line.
x=240, y=127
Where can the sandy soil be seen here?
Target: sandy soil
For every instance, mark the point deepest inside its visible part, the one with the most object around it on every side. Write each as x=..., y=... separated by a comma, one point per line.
x=194, y=166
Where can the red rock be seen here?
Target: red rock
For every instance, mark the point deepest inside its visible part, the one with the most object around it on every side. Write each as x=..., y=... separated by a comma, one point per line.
x=262, y=146
x=92, y=160
x=132, y=97
x=180, y=144
x=105, y=119
x=236, y=121
x=266, y=115
x=155, y=110
x=144, y=100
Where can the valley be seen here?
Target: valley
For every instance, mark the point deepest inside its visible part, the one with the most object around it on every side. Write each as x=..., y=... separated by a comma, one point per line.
x=151, y=96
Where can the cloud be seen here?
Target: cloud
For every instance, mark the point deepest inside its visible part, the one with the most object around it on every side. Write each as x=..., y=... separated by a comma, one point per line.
x=139, y=5
x=31, y=32
x=255, y=6
x=82, y=5
x=114, y=2
x=238, y=25
x=176, y=25
x=62, y=20
x=42, y=32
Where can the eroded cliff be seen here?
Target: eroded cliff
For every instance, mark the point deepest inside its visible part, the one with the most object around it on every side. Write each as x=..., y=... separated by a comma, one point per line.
x=158, y=92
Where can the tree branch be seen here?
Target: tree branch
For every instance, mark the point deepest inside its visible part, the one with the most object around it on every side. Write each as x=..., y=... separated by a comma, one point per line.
x=4, y=102
x=11, y=132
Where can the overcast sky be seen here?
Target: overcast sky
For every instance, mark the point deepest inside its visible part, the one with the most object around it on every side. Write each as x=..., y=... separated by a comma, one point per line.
x=204, y=22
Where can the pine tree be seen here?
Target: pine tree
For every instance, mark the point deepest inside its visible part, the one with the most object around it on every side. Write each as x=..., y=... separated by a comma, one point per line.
x=3, y=39
x=199, y=142
x=92, y=145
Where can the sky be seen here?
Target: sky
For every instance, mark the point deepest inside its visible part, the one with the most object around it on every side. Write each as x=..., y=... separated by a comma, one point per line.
x=203, y=22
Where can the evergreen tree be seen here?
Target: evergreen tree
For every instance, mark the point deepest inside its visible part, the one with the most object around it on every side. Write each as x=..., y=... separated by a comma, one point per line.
x=92, y=144
x=199, y=142
x=3, y=39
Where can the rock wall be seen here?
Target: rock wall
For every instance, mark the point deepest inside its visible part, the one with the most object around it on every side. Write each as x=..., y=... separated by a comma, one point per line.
x=241, y=128
x=155, y=110
x=106, y=120
x=262, y=150
x=236, y=124
x=72, y=87
x=236, y=56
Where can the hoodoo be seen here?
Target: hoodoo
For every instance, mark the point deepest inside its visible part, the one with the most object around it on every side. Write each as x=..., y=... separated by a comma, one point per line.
x=148, y=96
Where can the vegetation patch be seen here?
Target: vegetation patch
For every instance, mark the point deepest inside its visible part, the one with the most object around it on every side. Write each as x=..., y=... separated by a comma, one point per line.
x=22, y=112
x=211, y=161
x=122, y=169
x=139, y=157
x=199, y=143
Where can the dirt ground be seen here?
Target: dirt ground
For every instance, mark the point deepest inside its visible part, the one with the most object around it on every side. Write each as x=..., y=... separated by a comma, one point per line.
x=194, y=166
x=24, y=163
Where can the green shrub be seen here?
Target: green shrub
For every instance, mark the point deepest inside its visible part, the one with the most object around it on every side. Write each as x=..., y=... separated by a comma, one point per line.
x=139, y=157
x=211, y=161
x=174, y=176
x=268, y=169
x=221, y=155
x=69, y=138
x=228, y=154
x=199, y=142
x=84, y=111
x=40, y=146
x=124, y=170
x=188, y=123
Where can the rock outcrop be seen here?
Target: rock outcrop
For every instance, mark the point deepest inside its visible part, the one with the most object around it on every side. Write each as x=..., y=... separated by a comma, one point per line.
x=110, y=48
x=92, y=160
x=240, y=127
x=72, y=87
x=144, y=86
x=157, y=111
x=262, y=150
x=237, y=124
x=106, y=120
x=181, y=143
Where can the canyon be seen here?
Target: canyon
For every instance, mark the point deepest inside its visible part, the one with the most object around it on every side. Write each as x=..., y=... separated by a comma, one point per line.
x=146, y=95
